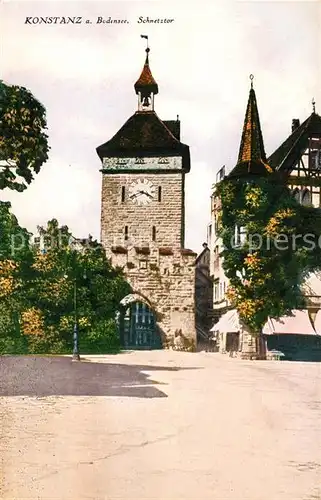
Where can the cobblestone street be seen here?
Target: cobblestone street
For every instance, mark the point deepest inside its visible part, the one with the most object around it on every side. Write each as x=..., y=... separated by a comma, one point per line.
x=159, y=425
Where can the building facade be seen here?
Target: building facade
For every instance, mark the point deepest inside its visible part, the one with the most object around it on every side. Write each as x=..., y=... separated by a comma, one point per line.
x=298, y=162
x=220, y=281
x=203, y=296
x=143, y=224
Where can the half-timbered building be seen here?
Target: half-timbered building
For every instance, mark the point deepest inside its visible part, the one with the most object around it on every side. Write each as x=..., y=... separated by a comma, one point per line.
x=298, y=162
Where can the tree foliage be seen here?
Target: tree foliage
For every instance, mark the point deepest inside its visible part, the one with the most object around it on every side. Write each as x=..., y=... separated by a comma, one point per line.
x=99, y=288
x=267, y=269
x=23, y=141
x=39, y=285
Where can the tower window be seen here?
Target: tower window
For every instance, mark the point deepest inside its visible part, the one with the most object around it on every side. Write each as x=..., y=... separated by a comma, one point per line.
x=216, y=288
x=126, y=232
x=154, y=233
x=159, y=193
x=296, y=194
x=209, y=234
x=239, y=236
x=306, y=198
x=123, y=191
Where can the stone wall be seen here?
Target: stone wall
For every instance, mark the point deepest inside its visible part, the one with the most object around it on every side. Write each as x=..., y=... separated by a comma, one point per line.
x=166, y=215
x=204, y=301
x=166, y=277
x=203, y=292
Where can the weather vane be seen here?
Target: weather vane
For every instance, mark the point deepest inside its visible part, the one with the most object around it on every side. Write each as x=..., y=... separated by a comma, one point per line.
x=251, y=78
x=313, y=105
x=146, y=38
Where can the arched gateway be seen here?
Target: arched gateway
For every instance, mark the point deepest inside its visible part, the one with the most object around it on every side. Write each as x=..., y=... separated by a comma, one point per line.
x=137, y=324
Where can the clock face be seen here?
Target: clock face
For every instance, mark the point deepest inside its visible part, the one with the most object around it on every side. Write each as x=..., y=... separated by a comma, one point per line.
x=141, y=192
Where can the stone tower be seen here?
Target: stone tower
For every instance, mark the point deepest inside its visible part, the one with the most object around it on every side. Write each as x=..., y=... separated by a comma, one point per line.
x=143, y=220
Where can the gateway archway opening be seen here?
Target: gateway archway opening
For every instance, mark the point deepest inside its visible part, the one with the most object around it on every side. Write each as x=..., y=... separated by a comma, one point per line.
x=138, y=326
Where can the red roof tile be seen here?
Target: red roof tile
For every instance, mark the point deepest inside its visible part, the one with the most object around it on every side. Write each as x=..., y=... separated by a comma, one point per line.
x=146, y=80
x=252, y=158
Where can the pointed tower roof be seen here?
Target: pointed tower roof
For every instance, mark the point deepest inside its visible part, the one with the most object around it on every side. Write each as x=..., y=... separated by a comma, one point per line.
x=252, y=157
x=146, y=82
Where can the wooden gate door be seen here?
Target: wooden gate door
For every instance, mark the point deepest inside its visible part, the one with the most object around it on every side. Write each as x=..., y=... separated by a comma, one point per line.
x=140, y=329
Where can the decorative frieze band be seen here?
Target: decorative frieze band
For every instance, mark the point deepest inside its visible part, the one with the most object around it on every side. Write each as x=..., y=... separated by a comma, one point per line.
x=152, y=163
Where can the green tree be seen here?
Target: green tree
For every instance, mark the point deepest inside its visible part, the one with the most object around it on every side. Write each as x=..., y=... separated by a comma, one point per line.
x=64, y=265
x=267, y=269
x=15, y=261
x=37, y=285
x=23, y=141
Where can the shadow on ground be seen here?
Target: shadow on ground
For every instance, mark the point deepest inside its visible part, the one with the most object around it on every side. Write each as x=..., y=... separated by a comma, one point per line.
x=59, y=376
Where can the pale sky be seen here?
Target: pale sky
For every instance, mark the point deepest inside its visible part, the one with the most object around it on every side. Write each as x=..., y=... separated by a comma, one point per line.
x=84, y=76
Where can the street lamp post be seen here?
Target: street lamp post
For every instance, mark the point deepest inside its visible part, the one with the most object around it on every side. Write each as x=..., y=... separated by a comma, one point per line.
x=75, y=353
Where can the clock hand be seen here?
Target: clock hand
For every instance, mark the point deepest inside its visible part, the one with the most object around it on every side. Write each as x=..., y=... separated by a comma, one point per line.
x=137, y=194
x=145, y=192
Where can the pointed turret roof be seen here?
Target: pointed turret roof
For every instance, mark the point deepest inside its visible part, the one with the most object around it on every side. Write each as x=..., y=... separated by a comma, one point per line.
x=146, y=81
x=285, y=156
x=252, y=157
